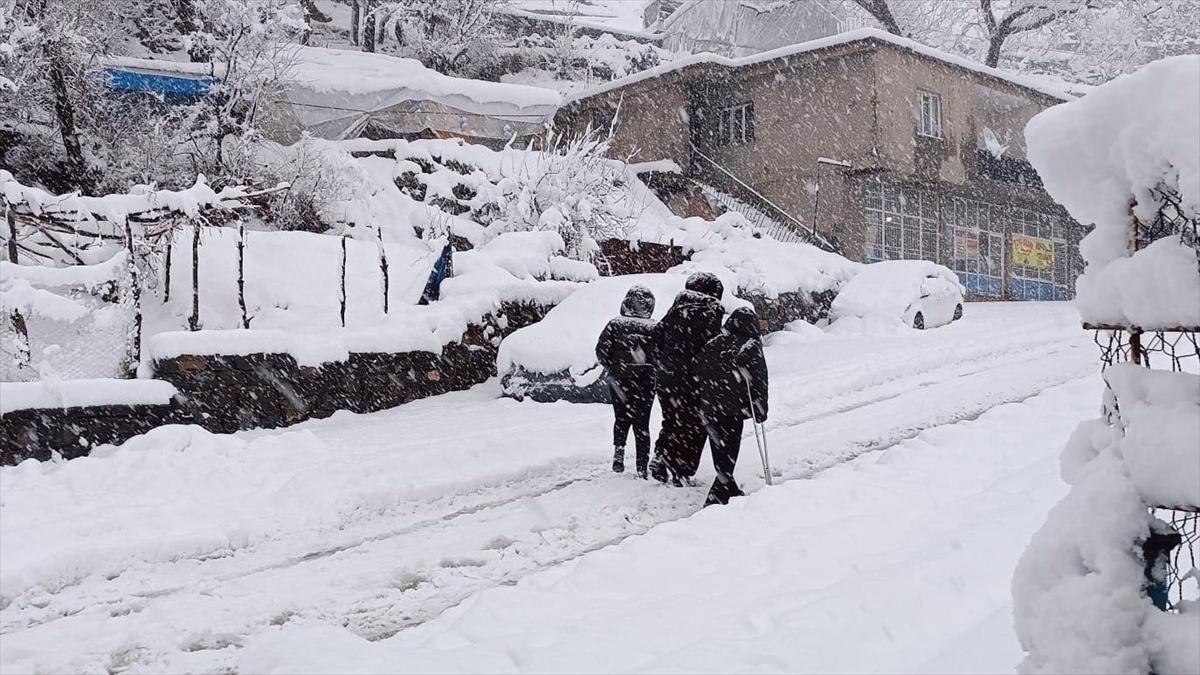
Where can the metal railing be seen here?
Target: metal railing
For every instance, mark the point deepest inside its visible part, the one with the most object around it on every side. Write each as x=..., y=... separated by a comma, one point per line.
x=770, y=209
x=756, y=218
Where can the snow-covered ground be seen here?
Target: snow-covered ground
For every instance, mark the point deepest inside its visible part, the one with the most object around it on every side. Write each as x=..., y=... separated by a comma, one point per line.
x=187, y=551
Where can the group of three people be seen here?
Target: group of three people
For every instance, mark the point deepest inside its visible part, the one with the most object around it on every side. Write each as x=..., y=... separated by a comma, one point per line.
x=709, y=379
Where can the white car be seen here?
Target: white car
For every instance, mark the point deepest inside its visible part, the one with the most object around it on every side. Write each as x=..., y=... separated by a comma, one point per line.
x=920, y=293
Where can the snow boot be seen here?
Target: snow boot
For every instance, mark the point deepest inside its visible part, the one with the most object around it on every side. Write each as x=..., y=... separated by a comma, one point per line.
x=641, y=469
x=619, y=459
x=658, y=470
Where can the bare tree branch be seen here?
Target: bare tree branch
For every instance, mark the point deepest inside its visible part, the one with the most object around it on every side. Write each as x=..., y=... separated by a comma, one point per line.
x=881, y=12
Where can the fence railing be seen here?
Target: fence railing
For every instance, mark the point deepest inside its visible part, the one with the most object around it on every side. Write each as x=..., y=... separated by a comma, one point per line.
x=769, y=208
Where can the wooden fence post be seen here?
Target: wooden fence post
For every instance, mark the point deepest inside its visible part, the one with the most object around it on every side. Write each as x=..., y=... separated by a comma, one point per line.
x=383, y=268
x=167, y=265
x=194, y=319
x=343, y=284
x=241, y=279
x=135, y=288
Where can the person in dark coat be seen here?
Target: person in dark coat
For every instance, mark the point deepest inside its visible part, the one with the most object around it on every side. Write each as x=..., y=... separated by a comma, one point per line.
x=733, y=387
x=626, y=350
x=693, y=320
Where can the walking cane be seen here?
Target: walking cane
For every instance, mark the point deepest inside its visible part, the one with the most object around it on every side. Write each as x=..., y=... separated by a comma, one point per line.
x=761, y=440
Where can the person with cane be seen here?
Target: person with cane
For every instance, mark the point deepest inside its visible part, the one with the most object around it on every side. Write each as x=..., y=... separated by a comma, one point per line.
x=732, y=374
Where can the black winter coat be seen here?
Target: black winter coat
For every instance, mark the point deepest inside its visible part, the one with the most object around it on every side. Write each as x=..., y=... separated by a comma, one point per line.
x=688, y=325
x=626, y=345
x=725, y=365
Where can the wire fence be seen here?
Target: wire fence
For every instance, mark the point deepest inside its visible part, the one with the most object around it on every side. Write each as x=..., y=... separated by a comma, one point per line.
x=1173, y=547
x=91, y=335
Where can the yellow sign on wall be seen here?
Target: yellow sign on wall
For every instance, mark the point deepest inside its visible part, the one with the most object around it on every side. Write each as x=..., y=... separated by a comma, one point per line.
x=1032, y=252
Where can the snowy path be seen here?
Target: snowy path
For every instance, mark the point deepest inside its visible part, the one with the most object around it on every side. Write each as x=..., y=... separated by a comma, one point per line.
x=899, y=561
x=171, y=552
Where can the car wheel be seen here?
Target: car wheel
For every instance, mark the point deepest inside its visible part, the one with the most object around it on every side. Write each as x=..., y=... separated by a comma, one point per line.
x=919, y=321
x=957, y=312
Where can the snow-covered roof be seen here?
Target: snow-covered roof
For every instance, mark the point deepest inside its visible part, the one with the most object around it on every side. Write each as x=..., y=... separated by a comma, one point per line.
x=1038, y=84
x=333, y=92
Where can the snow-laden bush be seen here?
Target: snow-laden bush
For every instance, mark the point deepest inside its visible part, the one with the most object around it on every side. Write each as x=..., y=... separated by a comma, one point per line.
x=571, y=188
x=322, y=181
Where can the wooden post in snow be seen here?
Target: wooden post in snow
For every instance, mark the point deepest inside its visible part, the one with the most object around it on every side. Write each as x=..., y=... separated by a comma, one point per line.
x=24, y=358
x=343, y=284
x=241, y=280
x=194, y=319
x=135, y=289
x=383, y=269
x=167, y=265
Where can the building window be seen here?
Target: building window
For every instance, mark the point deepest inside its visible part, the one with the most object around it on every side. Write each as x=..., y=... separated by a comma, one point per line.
x=977, y=254
x=929, y=115
x=904, y=222
x=735, y=124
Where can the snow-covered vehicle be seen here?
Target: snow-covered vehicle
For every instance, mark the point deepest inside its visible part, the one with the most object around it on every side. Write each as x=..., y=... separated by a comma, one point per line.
x=555, y=358
x=919, y=293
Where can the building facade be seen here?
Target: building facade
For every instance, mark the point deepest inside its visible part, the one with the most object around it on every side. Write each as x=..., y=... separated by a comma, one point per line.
x=884, y=147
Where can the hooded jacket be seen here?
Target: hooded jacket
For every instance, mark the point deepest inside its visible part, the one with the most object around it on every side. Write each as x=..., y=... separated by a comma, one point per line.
x=727, y=363
x=693, y=320
x=626, y=345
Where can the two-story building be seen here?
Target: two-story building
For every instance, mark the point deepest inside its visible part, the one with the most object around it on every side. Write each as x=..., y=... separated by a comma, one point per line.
x=884, y=147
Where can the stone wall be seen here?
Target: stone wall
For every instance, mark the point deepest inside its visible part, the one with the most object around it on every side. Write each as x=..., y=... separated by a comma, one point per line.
x=72, y=432
x=224, y=393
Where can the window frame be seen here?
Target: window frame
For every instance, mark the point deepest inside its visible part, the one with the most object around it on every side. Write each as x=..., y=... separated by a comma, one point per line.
x=735, y=124
x=929, y=125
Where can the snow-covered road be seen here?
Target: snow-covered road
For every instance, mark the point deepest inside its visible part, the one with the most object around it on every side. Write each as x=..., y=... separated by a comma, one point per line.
x=173, y=551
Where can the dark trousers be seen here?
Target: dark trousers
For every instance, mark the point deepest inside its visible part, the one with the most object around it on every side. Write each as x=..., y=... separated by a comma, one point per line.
x=632, y=399
x=681, y=439
x=724, y=442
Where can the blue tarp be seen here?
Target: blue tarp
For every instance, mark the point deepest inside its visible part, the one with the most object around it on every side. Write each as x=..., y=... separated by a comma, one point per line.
x=442, y=269
x=170, y=85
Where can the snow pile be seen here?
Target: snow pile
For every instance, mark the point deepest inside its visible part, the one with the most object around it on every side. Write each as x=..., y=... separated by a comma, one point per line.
x=1099, y=154
x=292, y=280
x=295, y=307
x=81, y=393
x=887, y=289
x=1078, y=590
x=1159, y=419
x=564, y=342
x=765, y=266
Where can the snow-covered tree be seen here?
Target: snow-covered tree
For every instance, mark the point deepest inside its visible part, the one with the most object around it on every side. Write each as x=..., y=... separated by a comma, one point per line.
x=50, y=71
x=456, y=37
x=249, y=45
